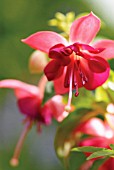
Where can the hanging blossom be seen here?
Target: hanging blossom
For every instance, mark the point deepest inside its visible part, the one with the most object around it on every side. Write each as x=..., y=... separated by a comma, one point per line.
x=75, y=63
x=101, y=134
x=29, y=100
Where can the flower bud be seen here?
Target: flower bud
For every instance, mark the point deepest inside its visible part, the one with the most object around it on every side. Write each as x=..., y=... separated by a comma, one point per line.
x=37, y=62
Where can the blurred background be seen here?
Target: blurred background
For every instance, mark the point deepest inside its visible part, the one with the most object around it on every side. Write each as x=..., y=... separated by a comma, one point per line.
x=19, y=19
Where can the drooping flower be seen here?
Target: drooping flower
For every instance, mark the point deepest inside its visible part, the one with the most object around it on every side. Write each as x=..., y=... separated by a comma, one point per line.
x=29, y=100
x=100, y=135
x=76, y=63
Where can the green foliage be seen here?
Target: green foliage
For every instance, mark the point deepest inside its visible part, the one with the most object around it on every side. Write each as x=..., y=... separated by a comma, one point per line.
x=103, y=152
x=87, y=149
x=106, y=91
x=64, y=139
x=75, y=160
x=96, y=151
x=97, y=164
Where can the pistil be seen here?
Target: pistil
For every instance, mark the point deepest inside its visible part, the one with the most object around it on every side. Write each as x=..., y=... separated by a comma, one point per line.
x=68, y=106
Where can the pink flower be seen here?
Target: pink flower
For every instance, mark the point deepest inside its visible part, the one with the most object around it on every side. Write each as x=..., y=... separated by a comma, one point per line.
x=29, y=100
x=100, y=135
x=75, y=64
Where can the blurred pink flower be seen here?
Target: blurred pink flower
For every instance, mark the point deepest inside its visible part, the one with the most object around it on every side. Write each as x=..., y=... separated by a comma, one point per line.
x=75, y=63
x=29, y=100
x=100, y=135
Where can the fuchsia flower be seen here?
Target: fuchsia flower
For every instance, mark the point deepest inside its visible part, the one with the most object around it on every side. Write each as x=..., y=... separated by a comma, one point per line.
x=76, y=63
x=100, y=135
x=29, y=100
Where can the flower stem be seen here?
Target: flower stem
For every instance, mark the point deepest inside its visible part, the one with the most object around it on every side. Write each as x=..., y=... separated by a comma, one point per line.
x=42, y=85
x=15, y=159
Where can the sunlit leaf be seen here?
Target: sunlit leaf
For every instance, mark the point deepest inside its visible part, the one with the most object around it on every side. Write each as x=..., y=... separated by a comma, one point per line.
x=104, y=152
x=87, y=149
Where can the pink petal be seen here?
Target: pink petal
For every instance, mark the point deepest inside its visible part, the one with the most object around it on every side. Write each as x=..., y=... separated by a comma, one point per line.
x=59, y=84
x=95, y=141
x=85, y=29
x=93, y=127
x=44, y=40
x=57, y=107
x=45, y=115
x=53, y=70
x=108, y=53
x=58, y=52
x=97, y=65
x=30, y=106
x=21, y=89
x=110, y=120
x=96, y=76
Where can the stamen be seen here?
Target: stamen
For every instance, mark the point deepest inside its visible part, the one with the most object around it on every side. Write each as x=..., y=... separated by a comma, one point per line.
x=15, y=159
x=75, y=79
x=68, y=106
x=67, y=81
x=83, y=76
x=76, y=93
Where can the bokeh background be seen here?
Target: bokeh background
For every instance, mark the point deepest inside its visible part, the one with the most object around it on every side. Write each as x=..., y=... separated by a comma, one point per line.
x=19, y=19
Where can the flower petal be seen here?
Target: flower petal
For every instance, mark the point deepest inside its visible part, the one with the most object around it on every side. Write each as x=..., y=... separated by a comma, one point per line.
x=58, y=52
x=53, y=70
x=59, y=84
x=44, y=40
x=57, y=107
x=95, y=76
x=21, y=89
x=95, y=141
x=93, y=127
x=97, y=64
x=85, y=28
x=108, y=53
x=30, y=106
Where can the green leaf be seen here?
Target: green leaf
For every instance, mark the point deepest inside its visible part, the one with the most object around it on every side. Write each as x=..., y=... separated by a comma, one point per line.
x=85, y=99
x=111, y=62
x=64, y=139
x=112, y=146
x=76, y=160
x=101, y=95
x=104, y=152
x=87, y=149
x=49, y=92
x=97, y=163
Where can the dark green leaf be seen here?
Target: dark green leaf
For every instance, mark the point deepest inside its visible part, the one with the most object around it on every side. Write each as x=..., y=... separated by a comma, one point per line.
x=112, y=146
x=64, y=140
x=76, y=160
x=97, y=163
x=111, y=62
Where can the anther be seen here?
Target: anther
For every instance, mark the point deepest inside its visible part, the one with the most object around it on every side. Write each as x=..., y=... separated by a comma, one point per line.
x=76, y=94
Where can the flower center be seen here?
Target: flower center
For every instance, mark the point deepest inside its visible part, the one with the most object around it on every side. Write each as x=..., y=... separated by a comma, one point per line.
x=72, y=58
